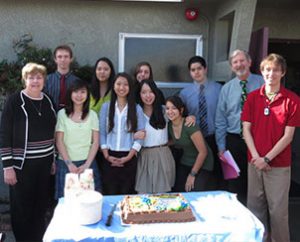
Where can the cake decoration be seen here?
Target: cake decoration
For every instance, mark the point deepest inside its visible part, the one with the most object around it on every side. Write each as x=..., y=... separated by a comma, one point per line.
x=75, y=184
x=137, y=209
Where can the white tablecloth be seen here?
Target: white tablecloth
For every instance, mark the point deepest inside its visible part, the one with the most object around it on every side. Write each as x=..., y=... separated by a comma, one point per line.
x=219, y=217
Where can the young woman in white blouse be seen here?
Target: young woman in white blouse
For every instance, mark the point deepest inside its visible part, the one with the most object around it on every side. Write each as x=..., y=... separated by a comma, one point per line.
x=119, y=120
x=156, y=165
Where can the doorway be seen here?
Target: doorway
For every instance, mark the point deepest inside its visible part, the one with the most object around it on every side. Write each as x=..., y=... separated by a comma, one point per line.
x=290, y=50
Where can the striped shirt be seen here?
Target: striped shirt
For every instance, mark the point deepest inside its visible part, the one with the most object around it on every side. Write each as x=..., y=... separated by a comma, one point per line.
x=52, y=86
x=39, y=149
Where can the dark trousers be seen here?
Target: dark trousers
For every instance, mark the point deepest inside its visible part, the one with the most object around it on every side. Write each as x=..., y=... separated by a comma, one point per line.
x=99, y=161
x=29, y=199
x=238, y=148
x=203, y=181
x=219, y=182
x=119, y=180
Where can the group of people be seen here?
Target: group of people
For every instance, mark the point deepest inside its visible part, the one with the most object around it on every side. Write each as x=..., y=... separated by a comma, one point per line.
x=138, y=141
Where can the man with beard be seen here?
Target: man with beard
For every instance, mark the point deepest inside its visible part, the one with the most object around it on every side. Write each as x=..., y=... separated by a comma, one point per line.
x=228, y=124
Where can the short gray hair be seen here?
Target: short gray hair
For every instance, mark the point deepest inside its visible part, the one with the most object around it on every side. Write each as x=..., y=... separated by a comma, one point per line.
x=237, y=52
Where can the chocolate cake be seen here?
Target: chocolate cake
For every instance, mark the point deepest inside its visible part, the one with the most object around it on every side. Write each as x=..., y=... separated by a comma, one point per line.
x=158, y=208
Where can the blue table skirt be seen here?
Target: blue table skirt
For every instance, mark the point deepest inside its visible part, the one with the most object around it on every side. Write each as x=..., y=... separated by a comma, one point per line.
x=219, y=217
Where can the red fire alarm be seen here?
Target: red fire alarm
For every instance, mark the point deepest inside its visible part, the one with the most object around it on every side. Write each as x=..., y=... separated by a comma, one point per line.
x=191, y=14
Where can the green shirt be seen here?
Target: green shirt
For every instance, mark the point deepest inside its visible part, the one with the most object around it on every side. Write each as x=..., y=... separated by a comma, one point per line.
x=99, y=104
x=77, y=136
x=190, y=152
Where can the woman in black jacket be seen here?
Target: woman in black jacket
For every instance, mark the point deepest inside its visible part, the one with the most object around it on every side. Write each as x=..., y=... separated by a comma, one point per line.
x=27, y=150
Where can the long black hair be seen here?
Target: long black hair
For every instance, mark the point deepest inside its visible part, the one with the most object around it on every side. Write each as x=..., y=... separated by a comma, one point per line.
x=157, y=119
x=131, y=112
x=75, y=86
x=95, y=86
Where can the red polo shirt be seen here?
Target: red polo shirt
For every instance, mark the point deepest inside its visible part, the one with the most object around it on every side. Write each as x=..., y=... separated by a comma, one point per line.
x=267, y=130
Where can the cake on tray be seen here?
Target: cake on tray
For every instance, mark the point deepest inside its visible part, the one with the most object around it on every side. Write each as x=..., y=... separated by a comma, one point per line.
x=157, y=208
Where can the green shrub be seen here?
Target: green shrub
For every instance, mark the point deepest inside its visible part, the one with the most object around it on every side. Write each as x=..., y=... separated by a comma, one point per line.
x=26, y=51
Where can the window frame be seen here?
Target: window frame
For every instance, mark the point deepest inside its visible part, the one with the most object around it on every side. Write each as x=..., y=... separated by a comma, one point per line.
x=124, y=36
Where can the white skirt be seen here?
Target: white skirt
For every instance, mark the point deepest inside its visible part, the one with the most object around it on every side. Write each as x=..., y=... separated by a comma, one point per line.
x=155, y=170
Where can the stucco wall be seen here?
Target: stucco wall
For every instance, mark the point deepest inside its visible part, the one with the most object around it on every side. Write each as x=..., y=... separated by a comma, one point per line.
x=91, y=27
x=244, y=12
x=283, y=23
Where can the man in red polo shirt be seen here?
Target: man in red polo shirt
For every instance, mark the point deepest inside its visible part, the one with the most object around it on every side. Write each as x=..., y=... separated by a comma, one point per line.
x=269, y=117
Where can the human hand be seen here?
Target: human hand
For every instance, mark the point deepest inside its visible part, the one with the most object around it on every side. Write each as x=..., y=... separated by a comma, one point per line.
x=190, y=121
x=72, y=168
x=141, y=134
x=53, y=168
x=82, y=168
x=114, y=161
x=254, y=158
x=123, y=160
x=220, y=154
x=260, y=164
x=10, y=177
x=189, y=185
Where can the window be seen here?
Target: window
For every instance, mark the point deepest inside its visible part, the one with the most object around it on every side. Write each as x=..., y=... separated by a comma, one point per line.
x=168, y=55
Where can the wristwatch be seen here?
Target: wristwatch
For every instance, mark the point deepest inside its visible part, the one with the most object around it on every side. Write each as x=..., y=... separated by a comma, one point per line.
x=192, y=173
x=68, y=162
x=267, y=160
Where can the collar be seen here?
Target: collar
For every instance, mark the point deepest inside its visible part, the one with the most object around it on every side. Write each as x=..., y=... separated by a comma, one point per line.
x=66, y=75
x=203, y=83
x=124, y=109
x=282, y=92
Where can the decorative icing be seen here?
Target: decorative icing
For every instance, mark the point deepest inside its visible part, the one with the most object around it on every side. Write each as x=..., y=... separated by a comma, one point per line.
x=156, y=208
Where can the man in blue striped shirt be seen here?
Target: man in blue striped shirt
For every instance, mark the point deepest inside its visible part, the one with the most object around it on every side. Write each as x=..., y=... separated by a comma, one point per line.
x=58, y=82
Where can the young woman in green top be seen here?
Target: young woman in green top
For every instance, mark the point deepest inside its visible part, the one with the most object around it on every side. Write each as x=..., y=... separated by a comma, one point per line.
x=103, y=76
x=101, y=85
x=196, y=164
x=77, y=136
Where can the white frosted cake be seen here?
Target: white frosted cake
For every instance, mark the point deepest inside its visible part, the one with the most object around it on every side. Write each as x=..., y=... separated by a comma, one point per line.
x=80, y=199
x=87, y=207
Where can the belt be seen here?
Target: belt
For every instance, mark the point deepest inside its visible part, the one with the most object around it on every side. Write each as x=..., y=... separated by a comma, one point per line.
x=156, y=146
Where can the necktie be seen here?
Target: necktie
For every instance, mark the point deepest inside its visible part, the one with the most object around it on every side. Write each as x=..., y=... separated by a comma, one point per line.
x=243, y=99
x=244, y=92
x=202, y=113
x=62, y=91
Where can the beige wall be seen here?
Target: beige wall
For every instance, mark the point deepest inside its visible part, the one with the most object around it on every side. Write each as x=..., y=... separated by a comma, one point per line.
x=283, y=23
x=92, y=27
x=240, y=39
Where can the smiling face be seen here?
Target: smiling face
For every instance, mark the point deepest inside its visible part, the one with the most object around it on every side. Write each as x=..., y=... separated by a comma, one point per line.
x=121, y=87
x=34, y=84
x=173, y=112
x=103, y=71
x=79, y=96
x=147, y=95
x=198, y=72
x=240, y=65
x=143, y=73
x=272, y=74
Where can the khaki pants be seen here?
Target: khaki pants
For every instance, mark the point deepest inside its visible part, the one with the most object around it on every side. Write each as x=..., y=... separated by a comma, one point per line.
x=268, y=199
